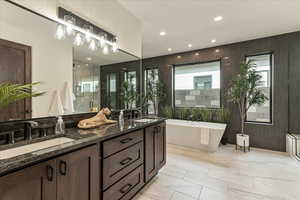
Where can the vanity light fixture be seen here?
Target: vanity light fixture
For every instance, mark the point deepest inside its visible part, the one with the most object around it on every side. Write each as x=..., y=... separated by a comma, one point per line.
x=84, y=31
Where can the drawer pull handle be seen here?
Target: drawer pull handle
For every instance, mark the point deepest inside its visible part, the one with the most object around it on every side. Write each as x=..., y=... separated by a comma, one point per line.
x=50, y=173
x=124, y=141
x=63, y=168
x=125, y=161
x=126, y=188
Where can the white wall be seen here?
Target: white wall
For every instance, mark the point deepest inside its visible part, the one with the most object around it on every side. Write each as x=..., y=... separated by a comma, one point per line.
x=51, y=58
x=107, y=14
x=184, y=76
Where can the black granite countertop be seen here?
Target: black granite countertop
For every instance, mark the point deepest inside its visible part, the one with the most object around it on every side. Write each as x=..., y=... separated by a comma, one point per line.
x=82, y=138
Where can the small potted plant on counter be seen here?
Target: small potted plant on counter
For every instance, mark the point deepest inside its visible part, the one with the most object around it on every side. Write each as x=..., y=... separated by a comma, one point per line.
x=245, y=92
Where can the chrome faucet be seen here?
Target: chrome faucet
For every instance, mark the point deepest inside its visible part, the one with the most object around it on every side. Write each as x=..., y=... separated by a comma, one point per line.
x=28, y=128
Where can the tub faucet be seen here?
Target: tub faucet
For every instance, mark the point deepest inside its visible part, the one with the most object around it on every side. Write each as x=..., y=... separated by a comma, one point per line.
x=29, y=125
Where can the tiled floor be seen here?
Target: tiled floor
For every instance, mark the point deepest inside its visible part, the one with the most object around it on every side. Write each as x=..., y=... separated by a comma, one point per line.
x=227, y=174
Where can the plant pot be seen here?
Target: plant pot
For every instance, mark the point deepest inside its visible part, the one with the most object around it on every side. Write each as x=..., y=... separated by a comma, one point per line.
x=243, y=141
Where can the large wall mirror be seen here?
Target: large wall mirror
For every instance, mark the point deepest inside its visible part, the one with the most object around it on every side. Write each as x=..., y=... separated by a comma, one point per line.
x=29, y=53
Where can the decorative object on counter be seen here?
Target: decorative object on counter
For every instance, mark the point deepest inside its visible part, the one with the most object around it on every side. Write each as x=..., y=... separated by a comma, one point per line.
x=98, y=120
x=129, y=95
x=121, y=120
x=242, y=141
x=10, y=93
x=245, y=90
x=60, y=126
x=156, y=93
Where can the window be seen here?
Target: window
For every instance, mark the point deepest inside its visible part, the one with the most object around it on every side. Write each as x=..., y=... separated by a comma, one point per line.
x=262, y=113
x=197, y=85
x=130, y=77
x=151, y=75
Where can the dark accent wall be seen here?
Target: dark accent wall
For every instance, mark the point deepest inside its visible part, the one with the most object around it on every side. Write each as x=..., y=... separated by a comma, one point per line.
x=286, y=83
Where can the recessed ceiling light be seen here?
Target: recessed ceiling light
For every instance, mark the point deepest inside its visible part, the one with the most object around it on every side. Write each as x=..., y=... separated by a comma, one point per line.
x=169, y=49
x=190, y=45
x=218, y=18
x=197, y=54
x=178, y=57
x=89, y=58
x=213, y=40
x=162, y=33
x=217, y=50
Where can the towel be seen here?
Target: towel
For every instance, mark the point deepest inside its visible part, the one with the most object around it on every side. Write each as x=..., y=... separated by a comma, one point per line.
x=204, y=136
x=56, y=107
x=68, y=98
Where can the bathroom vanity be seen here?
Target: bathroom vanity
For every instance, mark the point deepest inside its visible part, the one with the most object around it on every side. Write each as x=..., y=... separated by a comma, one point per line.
x=106, y=163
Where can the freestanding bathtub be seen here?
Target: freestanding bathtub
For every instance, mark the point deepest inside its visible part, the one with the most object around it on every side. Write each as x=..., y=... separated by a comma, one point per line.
x=199, y=135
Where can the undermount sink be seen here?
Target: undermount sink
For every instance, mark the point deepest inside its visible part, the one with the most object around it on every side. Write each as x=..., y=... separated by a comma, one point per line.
x=14, y=152
x=145, y=120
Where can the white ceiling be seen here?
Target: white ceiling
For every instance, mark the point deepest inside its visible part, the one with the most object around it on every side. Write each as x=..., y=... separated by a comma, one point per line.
x=191, y=21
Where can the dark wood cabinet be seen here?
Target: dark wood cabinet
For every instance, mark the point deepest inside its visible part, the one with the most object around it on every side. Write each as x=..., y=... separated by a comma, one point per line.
x=78, y=175
x=74, y=176
x=155, y=150
x=33, y=183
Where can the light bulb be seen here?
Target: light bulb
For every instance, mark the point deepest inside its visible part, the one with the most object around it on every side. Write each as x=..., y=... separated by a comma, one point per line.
x=89, y=30
x=114, y=47
x=102, y=41
x=105, y=50
x=92, y=45
x=78, y=41
x=70, y=30
x=60, y=32
x=71, y=22
x=88, y=36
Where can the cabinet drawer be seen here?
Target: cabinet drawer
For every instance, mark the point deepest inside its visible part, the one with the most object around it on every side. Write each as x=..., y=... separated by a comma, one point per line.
x=118, y=165
x=117, y=144
x=127, y=187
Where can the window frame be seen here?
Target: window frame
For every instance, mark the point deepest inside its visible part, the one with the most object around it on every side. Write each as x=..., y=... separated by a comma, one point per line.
x=195, y=63
x=271, y=87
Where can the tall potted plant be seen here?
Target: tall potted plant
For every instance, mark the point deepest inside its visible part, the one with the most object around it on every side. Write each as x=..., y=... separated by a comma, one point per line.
x=155, y=93
x=245, y=91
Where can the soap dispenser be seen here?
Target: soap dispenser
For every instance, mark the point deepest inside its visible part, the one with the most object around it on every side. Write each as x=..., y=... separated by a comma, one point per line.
x=60, y=126
x=121, y=120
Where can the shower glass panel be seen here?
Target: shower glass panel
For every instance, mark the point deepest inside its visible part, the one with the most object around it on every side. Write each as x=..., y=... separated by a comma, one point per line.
x=86, y=79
